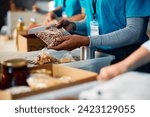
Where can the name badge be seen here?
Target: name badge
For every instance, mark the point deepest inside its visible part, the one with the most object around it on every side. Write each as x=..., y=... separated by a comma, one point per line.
x=94, y=28
x=64, y=14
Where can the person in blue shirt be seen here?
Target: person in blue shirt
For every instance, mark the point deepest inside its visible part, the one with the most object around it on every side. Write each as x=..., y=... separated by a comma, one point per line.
x=70, y=9
x=4, y=7
x=57, y=3
x=117, y=27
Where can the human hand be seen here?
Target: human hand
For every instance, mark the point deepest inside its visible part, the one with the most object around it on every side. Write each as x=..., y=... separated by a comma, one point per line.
x=35, y=8
x=50, y=17
x=112, y=71
x=68, y=25
x=71, y=42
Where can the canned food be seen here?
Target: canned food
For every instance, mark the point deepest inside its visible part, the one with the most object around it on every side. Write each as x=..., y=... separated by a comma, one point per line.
x=87, y=53
x=14, y=73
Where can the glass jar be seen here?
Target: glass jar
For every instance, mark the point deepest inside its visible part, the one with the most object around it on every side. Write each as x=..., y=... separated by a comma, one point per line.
x=14, y=73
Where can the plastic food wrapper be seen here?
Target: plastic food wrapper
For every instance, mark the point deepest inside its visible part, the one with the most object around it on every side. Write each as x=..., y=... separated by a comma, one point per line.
x=44, y=57
x=19, y=89
x=51, y=35
x=67, y=58
x=41, y=81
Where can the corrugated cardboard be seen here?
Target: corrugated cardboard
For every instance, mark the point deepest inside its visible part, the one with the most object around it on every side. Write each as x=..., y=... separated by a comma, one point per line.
x=28, y=43
x=16, y=35
x=79, y=76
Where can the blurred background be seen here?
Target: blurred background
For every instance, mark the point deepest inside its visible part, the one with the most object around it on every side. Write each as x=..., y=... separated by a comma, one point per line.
x=12, y=11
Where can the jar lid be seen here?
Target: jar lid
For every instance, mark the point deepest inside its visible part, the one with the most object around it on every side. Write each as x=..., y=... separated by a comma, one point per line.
x=15, y=63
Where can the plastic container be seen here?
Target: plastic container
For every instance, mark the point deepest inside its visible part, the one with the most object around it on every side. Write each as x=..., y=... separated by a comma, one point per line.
x=93, y=65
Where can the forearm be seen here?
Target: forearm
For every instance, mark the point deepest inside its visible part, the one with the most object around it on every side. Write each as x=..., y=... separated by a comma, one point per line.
x=81, y=27
x=138, y=58
x=126, y=36
x=76, y=17
x=57, y=10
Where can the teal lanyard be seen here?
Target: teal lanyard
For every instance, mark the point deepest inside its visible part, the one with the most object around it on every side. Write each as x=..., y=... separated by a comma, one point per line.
x=64, y=4
x=94, y=8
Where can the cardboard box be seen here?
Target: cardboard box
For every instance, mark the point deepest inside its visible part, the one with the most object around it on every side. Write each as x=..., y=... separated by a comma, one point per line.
x=28, y=43
x=16, y=35
x=4, y=38
x=79, y=77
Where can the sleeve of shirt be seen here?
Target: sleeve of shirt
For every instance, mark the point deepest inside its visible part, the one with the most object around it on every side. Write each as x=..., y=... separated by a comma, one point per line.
x=137, y=8
x=81, y=27
x=82, y=3
x=147, y=45
x=126, y=36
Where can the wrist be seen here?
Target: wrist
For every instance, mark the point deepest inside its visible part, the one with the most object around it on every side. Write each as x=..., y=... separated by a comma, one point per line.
x=126, y=65
x=51, y=12
x=86, y=41
x=73, y=26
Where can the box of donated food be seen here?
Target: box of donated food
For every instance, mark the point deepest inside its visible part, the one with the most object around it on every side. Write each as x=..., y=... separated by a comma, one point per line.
x=26, y=43
x=47, y=78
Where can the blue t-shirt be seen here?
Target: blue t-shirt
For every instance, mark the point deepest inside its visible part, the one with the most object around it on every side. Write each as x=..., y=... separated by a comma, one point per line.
x=58, y=3
x=71, y=7
x=112, y=14
x=83, y=3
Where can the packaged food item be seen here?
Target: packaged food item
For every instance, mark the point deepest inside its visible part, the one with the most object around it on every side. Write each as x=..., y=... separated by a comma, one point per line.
x=14, y=73
x=40, y=81
x=33, y=20
x=65, y=79
x=21, y=25
x=44, y=57
x=51, y=35
x=33, y=23
x=67, y=58
x=43, y=78
x=19, y=89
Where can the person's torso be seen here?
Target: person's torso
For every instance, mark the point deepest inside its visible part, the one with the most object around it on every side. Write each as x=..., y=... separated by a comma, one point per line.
x=71, y=7
x=58, y=3
x=111, y=15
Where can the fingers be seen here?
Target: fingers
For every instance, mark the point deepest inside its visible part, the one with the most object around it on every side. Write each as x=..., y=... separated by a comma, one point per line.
x=112, y=71
x=62, y=23
x=63, y=45
x=106, y=74
x=103, y=75
x=47, y=20
x=50, y=17
x=69, y=26
x=64, y=38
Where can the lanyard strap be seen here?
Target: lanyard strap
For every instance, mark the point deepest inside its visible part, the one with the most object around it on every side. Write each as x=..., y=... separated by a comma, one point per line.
x=94, y=8
x=64, y=3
